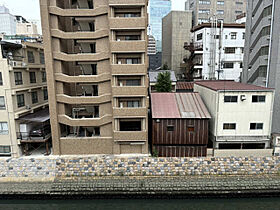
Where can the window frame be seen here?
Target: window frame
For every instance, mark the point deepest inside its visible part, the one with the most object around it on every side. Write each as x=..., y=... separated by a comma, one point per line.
x=258, y=98
x=231, y=99
x=32, y=79
x=44, y=76
x=2, y=131
x=20, y=103
x=30, y=56
x=34, y=97
x=1, y=79
x=170, y=128
x=256, y=126
x=229, y=126
x=2, y=105
x=45, y=94
x=18, y=78
x=42, y=58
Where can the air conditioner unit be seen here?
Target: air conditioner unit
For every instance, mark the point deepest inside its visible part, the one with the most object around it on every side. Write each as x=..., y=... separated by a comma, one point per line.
x=27, y=107
x=242, y=97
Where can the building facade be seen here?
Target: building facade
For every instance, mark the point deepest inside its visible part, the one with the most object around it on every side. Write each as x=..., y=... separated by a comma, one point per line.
x=96, y=61
x=224, y=10
x=23, y=90
x=26, y=28
x=217, y=52
x=235, y=109
x=262, y=48
x=155, y=61
x=152, y=45
x=7, y=21
x=153, y=76
x=176, y=27
x=157, y=10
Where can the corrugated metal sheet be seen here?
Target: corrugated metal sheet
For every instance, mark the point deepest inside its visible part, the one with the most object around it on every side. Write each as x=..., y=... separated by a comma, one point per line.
x=178, y=105
x=188, y=86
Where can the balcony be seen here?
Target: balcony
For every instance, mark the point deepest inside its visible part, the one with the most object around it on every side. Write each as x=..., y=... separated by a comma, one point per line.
x=96, y=122
x=102, y=10
x=130, y=112
x=82, y=78
x=79, y=34
x=93, y=57
x=128, y=69
x=62, y=98
x=128, y=46
x=128, y=23
x=130, y=2
x=129, y=91
x=130, y=136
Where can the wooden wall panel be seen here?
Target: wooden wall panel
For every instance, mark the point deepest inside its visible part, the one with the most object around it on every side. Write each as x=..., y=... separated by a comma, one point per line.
x=181, y=151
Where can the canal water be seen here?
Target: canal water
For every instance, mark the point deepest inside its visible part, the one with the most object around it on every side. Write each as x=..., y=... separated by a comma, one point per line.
x=150, y=204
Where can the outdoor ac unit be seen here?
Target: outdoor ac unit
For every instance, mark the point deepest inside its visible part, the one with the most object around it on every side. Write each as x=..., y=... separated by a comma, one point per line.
x=242, y=97
x=28, y=107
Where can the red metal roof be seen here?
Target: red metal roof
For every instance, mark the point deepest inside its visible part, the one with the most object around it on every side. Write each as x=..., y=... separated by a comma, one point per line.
x=178, y=105
x=184, y=85
x=217, y=85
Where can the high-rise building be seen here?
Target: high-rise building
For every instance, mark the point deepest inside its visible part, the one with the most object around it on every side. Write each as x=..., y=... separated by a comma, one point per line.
x=151, y=45
x=96, y=61
x=225, y=10
x=7, y=21
x=176, y=27
x=262, y=48
x=157, y=10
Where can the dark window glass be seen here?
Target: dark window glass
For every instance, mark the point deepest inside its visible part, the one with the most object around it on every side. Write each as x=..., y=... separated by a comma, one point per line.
x=170, y=128
x=228, y=65
x=34, y=97
x=32, y=76
x=42, y=58
x=20, y=100
x=44, y=76
x=229, y=126
x=230, y=50
x=45, y=92
x=5, y=149
x=230, y=99
x=258, y=99
x=30, y=57
x=18, y=78
x=256, y=126
x=199, y=36
x=133, y=82
x=1, y=79
x=2, y=102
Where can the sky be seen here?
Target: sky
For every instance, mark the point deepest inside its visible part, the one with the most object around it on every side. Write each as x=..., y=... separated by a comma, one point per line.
x=30, y=8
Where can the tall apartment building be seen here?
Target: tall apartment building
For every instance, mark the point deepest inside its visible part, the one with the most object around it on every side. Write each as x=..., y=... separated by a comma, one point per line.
x=151, y=45
x=7, y=21
x=262, y=48
x=23, y=92
x=225, y=10
x=96, y=61
x=157, y=10
x=176, y=27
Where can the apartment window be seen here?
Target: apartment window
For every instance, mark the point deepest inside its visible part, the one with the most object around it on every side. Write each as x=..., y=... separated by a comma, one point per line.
x=45, y=93
x=233, y=35
x=133, y=104
x=2, y=102
x=258, y=99
x=132, y=37
x=242, y=49
x=216, y=36
x=204, y=2
x=238, y=12
x=230, y=99
x=133, y=82
x=93, y=48
x=220, y=12
x=42, y=58
x=91, y=26
x=239, y=3
x=256, y=126
x=32, y=76
x=34, y=97
x=4, y=130
x=30, y=56
x=131, y=15
x=262, y=71
x=243, y=35
x=18, y=78
x=204, y=11
x=199, y=36
x=44, y=76
x=5, y=150
x=229, y=126
x=93, y=69
x=230, y=50
x=1, y=79
x=241, y=65
x=20, y=100
x=170, y=128
x=220, y=3
x=132, y=61
x=228, y=65
x=130, y=125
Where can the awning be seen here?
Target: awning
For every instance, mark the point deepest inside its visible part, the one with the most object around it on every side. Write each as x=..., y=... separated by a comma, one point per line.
x=39, y=116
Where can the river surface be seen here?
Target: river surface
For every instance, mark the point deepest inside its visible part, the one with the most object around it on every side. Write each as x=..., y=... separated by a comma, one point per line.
x=151, y=204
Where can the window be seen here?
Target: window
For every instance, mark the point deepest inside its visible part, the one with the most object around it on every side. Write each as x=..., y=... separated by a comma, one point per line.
x=233, y=35
x=92, y=48
x=2, y=102
x=256, y=126
x=45, y=92
x=5, y=150
x=242, y=49
x=20, y=100
x=238, y=12
x=4, y=130
x=133, y=82
x=32, y=76
x=216, y=36
x=18, y=78
x=132, y=61
x=1, y=79
x=199, y=36
x=91, y=26
x=204, y=11
x=220, y=2
x=220, y=12
x=133, y=104
x=34, y=97
x=202, y=20
x=170, y=128
x=258, y=99
x=229, y=126
x=241, y=65
x=228, y=65
x=30, y=57
x=239, y=3
x=42, y=58
x=230, y=50
x=190, y=128
x=44, y=76
x=230, y=99
x=204, y=2
x=243, y=35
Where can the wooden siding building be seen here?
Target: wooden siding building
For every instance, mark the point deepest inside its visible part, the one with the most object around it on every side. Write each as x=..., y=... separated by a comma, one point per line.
x=180, y=123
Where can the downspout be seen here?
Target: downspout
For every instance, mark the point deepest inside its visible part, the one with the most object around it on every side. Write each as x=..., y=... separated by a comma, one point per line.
x=270, y=42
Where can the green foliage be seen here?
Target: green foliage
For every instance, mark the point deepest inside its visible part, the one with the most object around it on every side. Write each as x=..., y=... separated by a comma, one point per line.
x=164, y=83
x=165, y=67
x=155, y=153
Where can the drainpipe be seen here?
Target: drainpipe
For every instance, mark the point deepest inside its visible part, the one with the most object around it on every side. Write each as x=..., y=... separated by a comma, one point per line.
x=270, y=42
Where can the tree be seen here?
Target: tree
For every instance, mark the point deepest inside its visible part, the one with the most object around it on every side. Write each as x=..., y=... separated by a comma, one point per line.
x=165, y=67
x=164, y=83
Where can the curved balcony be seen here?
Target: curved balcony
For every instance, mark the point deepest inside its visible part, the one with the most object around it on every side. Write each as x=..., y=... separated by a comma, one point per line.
x=130, y=136
x=93, y=57
x=102, y=10
x=128, y=23
x=95, y=122
x=82, y=78
x=128, y=69
x=62, y=98
x=130, y=112
x=128, y=46
x=79, y=35
x=129, y=91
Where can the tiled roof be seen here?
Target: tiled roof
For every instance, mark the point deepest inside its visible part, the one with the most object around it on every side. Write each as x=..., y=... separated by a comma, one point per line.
x=217, y=85
x=184, y=86
x=154, y=74
x=178, y=105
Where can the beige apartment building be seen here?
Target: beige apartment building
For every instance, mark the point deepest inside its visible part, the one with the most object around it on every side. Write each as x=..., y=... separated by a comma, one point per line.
x=23, y=92
x=223, y=10
x=96, y=61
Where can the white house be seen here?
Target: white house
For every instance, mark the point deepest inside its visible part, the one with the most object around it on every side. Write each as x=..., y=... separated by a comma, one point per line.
x=218, y=51
x=241, y=114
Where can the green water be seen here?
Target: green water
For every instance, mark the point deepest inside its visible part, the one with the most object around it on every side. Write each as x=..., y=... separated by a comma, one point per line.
x=196, y=204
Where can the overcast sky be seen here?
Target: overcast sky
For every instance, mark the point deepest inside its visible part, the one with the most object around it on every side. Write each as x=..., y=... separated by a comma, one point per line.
x=30, y=8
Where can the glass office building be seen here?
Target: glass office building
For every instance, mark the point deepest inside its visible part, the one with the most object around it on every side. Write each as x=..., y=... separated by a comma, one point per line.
x=157, y=10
